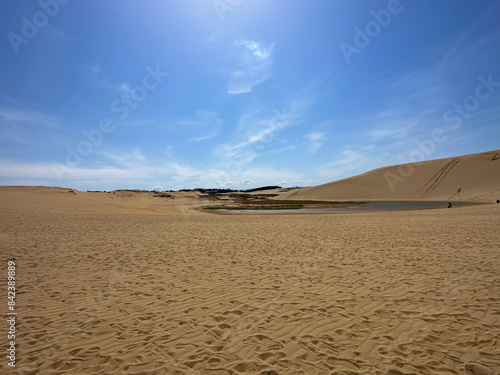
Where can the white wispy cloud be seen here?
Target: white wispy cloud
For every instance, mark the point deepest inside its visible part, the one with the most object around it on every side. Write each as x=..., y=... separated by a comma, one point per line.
x=25, y=126
x=94, y=68
x=112, y=167
x=208, y=120
x=202, y=138
x=417, y=102
x=347, y=164
x=26, y=116
x=201, y=118
x=130, y=159
x=97, y=76
x=248, y=181
x=315, y=141
x=259, y=52
x=252, y=66
x=57, y=33
x=348, y=157
x=118, y=169
x=259, y=129
x=472, y=42
x=399, y=131
x=287, y=148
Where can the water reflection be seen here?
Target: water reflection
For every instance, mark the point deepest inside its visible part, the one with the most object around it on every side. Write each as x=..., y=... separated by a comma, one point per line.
x=360, y=207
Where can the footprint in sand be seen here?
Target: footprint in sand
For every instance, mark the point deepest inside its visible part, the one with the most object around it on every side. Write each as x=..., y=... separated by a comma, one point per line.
x=476, y=369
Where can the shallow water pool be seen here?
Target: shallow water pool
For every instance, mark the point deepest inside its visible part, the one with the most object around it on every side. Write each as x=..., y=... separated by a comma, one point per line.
x=363, y=207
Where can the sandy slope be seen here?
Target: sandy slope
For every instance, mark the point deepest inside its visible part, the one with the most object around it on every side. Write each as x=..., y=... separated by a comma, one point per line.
x=472, y=177
x=133, y=285
x=28, y=198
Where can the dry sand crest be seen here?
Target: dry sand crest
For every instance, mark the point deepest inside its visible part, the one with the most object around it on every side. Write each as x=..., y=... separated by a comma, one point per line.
x=473, y=177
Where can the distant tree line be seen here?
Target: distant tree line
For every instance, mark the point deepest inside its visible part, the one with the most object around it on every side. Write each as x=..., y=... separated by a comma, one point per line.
x=202, y=190
x=222, y=191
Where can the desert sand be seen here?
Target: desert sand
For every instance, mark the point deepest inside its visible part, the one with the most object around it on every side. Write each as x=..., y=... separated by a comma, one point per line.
x=473, y=177
x=130, y=283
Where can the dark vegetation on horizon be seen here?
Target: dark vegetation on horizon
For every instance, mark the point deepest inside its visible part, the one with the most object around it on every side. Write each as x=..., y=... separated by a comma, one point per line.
x=201, y=190
x=223, y=191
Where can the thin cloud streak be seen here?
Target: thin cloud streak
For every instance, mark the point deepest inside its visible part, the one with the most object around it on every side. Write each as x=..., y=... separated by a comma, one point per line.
x=253, y=65
x=315, y=141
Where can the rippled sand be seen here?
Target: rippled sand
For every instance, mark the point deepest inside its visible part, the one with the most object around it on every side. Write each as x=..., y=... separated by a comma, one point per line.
x=148, y=287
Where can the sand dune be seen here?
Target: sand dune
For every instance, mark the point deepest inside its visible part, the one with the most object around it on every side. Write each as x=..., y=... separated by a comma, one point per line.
x=130, y=283
x=54, y=199
x=464, y=178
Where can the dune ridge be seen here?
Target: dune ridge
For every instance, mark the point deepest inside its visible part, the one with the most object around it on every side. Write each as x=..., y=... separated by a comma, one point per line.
x=474, y=177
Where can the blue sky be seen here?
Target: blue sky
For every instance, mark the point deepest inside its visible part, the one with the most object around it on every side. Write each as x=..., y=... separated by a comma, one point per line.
x=102, y=95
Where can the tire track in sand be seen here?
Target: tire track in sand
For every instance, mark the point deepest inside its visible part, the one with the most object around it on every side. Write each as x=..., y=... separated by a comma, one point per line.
x=435, y=180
